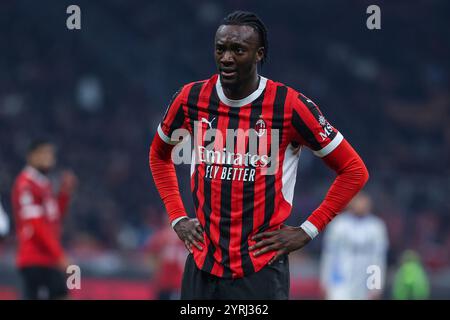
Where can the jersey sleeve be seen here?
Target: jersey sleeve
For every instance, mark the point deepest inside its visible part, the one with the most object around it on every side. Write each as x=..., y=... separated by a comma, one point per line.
x=174, y=118
x=311, y=128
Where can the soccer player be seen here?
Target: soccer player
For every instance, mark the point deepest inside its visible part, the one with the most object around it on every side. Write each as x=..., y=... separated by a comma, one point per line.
x=169, y=256
x=410, y=280
x=247, y=133
x=38, y=213
x=355, y=248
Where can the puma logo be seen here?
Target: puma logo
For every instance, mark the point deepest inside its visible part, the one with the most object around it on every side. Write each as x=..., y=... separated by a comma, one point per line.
x=208, y=122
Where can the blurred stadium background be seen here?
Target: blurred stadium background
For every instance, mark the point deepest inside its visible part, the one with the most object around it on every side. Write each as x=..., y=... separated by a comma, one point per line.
x=100, y=92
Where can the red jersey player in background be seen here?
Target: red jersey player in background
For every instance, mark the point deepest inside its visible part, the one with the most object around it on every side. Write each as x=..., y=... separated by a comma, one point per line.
x=38, y=214
x=238, y=242
x=169, y=255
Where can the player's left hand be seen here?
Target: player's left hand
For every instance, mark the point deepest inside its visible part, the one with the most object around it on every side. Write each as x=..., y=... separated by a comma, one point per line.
x=284, y=241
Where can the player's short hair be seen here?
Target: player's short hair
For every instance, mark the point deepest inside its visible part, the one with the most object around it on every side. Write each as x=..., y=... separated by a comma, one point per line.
x=37, y=143
x=245, y=18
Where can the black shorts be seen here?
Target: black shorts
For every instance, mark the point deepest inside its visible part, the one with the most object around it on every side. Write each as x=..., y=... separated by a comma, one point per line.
x=270, y=283
x=43, y=283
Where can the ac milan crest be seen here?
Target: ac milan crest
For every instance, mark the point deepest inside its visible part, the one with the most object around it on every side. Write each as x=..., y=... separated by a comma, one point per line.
x=260, y=127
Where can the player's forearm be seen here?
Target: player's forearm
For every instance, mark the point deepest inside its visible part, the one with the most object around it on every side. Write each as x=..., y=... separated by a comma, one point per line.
x=352, y=176
x=63, y=202
x=164, y=175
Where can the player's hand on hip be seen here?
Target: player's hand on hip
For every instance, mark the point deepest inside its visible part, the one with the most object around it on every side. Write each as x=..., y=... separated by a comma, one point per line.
x=283, y=241
x=190, y=232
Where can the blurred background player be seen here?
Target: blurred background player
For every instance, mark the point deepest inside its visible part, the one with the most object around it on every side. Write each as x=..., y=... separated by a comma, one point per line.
x=168, y=256
x=355, y=240
x=4, y=222
x=410, y=281
x=38, y=214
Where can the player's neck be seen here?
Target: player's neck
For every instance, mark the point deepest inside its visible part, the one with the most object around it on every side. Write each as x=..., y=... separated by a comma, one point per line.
x=243, y=89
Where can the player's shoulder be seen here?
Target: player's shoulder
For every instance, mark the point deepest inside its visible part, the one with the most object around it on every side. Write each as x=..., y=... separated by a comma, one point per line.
x=277, y=85
x=200, y=83
x=193, y=86
x=295, y=95
x=30, y=179
x=342, y=220
x=376, y=221
x=23, y=186
x=22, y=180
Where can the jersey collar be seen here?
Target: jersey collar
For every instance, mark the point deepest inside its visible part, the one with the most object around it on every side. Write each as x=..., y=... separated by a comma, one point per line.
x=241, y=102
x=36, y=176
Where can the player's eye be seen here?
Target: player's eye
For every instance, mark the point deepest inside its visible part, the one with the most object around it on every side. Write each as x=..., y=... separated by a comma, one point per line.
x=239, y=50
x=219, y=50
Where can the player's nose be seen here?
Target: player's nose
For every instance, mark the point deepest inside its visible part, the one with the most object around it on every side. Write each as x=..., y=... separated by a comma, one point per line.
x=227, y=58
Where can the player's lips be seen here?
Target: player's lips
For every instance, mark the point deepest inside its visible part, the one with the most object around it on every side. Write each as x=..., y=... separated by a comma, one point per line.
x=228, y=73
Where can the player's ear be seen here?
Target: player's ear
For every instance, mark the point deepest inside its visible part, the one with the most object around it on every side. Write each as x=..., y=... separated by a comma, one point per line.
x=259, y=54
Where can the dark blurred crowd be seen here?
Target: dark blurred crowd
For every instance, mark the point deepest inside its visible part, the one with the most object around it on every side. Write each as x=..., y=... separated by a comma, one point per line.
x=100, y=92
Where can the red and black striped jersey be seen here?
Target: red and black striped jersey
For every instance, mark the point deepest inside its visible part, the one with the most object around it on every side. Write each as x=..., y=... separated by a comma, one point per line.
x=243, y=174
x=38, y=214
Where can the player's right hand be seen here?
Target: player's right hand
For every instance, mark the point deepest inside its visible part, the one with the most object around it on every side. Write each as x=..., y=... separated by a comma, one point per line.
x=190, y=232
